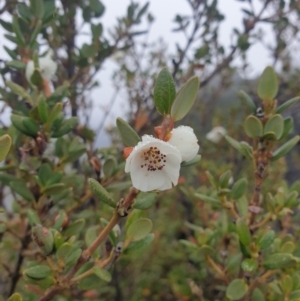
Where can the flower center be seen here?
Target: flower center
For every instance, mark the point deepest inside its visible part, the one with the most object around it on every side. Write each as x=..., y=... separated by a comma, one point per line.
x=154, y=159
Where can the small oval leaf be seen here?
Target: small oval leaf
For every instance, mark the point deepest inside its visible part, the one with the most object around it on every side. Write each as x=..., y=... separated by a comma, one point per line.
x=127, y=133
x=253, y=127
x=285, y=148
x=185, y=98
x=268, y=84
x=164, y=92
x=275, y=125
x=236, y=289
x=139, y=229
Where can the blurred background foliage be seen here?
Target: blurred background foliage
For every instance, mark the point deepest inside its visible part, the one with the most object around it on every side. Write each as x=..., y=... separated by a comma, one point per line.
x=166, y=269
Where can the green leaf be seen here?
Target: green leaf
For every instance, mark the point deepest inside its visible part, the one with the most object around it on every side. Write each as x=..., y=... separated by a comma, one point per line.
x=11, y=53
x=287, y=283
x=248, y=101
x=102, y=274
x=234, y=143
x=5, y=144
x=97, y=30
x=275, y=125
x=249, y=265
x=211, y=179
x=75, y=228
x=89, y=50
x=36, y=79
x=19, y=186
x=97, y=7
x=54, y=113
x=38, y=272
x=101, y=193
x=127, y=133
x=294, y=296
x=53, y=189
x=185, y=98
x=66, y=127
x=35, y=33
x=288, y=247
x=145, y=200
x=43, y=109
x=139, y=229
x=288, y=125
x=19, y=36
x=24, y=11
x=278, y=261
x=266, y=240
x=73, y=257
x=236, y=289
x=224, y=179
x=191, y=246
x=31, y=126
x=44, y=173
x=239, y=188
x=258, y=295
x=64, y=251
x=164, y=92
x=18, y=90
x=6, y=25
x=140, y=244
x=60, y=219
x=208, y=199
x=33, y=217
x=109, y=167
x=253, y=127
x=268, y=84
x=287, y=104
x=243, y=232
x=285, y=148
x=37, y=7
x=16, y=64
x=15, y=297
x=192, y=162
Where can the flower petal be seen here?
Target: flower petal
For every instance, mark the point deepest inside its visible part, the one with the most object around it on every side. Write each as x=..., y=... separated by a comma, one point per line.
x=153, y=164
x=186, y=142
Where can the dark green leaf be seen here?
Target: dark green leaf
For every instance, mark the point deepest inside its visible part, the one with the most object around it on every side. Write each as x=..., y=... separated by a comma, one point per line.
x=248, y=101
x=164, y=92
x=185, y=98
x=243, y=232
x=239, y=188
x=37, y=7
x=268, y=84
x=145, y=200
x=38, y=272
x=253, y=127
x=285, y=148
x=236, y=289
x=127, y=133
x=101, y=193
x=287, y=104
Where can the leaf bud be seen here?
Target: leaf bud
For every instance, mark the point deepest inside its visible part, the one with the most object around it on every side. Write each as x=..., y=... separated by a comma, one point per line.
x=43, y=238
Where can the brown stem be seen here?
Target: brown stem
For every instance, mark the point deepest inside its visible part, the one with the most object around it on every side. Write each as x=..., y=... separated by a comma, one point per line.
x=97, y=242
x=122, y=210
x=217, y=268
x=16, y=274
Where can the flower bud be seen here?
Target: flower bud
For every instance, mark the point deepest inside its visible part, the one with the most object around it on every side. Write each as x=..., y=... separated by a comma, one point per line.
x=43, y=238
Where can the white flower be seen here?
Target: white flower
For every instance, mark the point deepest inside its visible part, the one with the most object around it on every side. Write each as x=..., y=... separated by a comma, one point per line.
x=153, y=164
x=216, y=134
x=118, y=56
x=46, y=65
x=184, y=139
